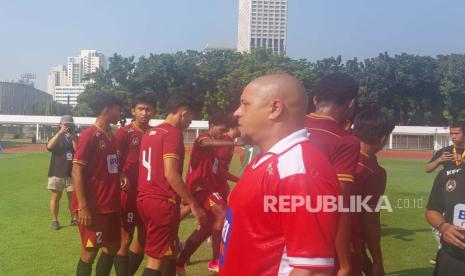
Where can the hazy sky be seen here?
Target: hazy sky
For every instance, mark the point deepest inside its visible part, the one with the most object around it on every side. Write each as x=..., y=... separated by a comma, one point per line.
x=36, y=35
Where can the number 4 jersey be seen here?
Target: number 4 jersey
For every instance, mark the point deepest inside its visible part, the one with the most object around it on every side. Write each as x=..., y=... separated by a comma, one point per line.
x=158, y=143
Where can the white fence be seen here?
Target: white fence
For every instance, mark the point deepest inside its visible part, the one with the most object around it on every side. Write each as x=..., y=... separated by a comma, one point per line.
x=402, y=138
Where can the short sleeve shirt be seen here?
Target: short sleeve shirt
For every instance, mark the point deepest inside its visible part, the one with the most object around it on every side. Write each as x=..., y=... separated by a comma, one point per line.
x=341, y=148
x=158, y=143
x=448, y=165
x=448, y=197
x=96, y=151
x=127, y=141
x=61, y=161
x=204, y=167
x=259, y=242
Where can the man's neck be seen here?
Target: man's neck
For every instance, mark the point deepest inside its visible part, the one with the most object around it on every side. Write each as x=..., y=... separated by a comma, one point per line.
x=369, y=150
x=273, y=138
x=459, y=145
x=143, y=126
x=103, y=123
x=170, y=120
x=330, y=111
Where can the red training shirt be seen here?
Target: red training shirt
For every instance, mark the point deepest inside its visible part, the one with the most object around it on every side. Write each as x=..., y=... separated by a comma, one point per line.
x=96, y=151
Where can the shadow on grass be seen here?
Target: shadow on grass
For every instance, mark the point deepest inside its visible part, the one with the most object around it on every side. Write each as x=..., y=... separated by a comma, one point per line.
x=402, y=233
x=424, y=271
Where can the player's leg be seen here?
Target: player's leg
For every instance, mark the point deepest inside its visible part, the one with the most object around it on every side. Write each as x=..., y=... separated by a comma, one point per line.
x=84, y=267
x=111, y=235
x=136, y=250
x=127, y=233
x=90, y=239
x=199, y=235
x=56, y=186
x=185, y=211
x=218, y=209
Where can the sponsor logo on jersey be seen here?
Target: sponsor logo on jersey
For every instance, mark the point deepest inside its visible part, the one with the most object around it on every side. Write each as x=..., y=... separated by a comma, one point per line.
x=459, y=215
x=102, y=145
x=451, y=185
x=452, y=172
x=135, y=141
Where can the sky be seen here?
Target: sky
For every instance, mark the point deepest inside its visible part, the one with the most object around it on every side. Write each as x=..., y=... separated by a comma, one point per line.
x=36, y=35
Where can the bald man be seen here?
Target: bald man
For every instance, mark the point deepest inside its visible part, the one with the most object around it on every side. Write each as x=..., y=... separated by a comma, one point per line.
x=268, y=229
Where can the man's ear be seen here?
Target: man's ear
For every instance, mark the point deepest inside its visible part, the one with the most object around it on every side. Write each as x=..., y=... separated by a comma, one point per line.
x=315, y=101
x=383, y=141
x=276, y=108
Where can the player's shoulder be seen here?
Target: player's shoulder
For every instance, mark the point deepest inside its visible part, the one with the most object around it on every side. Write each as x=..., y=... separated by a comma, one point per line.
x=89, y=132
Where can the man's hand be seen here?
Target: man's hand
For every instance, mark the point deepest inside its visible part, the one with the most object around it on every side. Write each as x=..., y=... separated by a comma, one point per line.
x=452, y=235
x=343, y=271
x=124, y=182
x=447, y=156
x=199, y=214
x=377, y=269
x=84, y=216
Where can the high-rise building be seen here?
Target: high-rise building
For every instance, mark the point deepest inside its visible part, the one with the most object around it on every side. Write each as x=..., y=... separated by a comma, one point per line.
x=65, y=83
x=57, y=76
x=262, y=24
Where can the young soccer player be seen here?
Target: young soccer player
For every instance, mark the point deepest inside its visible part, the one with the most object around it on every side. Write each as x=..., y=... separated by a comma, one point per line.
x=335, y=101
x=97, y=188
x=161, y=186
x=284, y=239
x=128, y=140
x=205, y=180
x=373, y=129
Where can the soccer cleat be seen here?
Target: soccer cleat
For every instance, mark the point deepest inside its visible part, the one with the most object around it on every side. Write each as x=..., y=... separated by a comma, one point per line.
x=73, y=222
x=214, y=266
x=180, y=270
x=55, y=225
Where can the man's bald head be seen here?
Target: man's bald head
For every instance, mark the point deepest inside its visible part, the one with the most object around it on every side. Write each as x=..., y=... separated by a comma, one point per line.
x=272, y=107
x=284, y=87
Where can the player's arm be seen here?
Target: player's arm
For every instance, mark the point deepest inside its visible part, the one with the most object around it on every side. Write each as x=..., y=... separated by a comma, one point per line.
x=84, y=214
x=371, y=228
x=345, y=161
x=122, y=145
x=439, y=158
x=227, y=175
x=174, y=178
x=210, y=143
x=450, y=233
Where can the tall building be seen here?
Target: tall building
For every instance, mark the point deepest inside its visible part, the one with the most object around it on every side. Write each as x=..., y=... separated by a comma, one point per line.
x=57, y=76
x=65, y=83
x=262, y=24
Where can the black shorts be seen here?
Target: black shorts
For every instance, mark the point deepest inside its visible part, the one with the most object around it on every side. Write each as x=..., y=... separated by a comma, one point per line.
x=447, y=265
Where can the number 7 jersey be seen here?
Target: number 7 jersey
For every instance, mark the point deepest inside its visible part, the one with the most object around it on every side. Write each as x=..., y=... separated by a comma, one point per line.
x=158, y=143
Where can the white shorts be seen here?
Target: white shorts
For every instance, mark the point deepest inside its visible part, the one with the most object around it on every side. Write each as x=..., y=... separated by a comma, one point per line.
x=60, y=183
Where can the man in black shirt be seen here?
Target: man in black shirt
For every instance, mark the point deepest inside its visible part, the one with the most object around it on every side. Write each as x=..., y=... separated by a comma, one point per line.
x=62, y=146
x=446, y=212
x=450, y=157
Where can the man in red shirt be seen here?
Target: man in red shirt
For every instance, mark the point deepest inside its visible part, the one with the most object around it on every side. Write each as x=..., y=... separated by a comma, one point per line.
x=96, y=188
x=205, y=181
x=335, y=101
x=161, y=186
x=373, y=129
x=128, y=139
x=264, y=233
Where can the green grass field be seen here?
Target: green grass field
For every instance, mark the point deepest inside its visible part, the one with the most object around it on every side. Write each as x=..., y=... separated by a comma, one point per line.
x=29, y=247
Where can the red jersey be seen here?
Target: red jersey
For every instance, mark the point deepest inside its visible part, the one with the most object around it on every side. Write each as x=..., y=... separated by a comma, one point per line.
x=204, y=167
x=127, y=140
x=341, y=148
x=158, y=143
x=256, y=242
x=96, y=151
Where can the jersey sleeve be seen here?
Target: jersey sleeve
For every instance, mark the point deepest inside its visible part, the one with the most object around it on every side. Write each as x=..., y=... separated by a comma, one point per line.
x=436, y=155
x=172, y=142
x=375, y=186
x=317, y=249
x=121, y=143
x=436, y=199
x=85, y=147
x=346, y=158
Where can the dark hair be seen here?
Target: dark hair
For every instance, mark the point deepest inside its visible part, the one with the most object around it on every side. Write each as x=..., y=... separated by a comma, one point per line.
x=145, y=98
x=182, y=100
x=219, y=118
x=232, y=121
x=104, y=99
x=458, y=124
x=337, y=88
x=371, y=125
